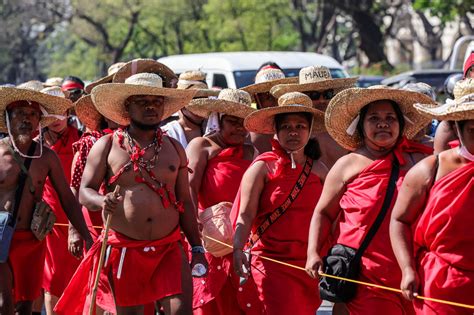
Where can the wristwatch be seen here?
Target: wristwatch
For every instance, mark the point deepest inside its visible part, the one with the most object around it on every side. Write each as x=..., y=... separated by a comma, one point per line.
x=197, y=249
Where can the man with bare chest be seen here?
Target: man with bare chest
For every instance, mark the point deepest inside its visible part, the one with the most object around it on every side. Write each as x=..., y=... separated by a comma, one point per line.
x=145, y=261
x=23, y=112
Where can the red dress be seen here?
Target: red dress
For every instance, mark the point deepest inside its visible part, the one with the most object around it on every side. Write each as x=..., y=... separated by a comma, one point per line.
x=151, y=269
x=60, y=265
x=284, y=290
x=360, y=204
x=83, y=146
x=219, y=292
x=445, y=240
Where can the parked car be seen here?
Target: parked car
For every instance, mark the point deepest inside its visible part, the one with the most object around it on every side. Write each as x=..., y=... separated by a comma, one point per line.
x=433, y=77
x=369, y=80
x=238, y=69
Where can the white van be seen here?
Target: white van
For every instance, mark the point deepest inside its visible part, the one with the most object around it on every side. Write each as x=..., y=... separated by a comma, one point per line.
x=238, y=69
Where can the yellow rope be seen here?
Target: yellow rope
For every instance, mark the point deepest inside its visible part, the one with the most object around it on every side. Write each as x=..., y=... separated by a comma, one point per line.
x=94, y=226
x=354, y=281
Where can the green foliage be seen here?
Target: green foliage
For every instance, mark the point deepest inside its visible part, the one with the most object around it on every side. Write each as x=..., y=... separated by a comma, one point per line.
x=446, y=10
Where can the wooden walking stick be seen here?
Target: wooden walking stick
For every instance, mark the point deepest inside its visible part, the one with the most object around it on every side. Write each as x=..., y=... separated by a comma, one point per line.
x=101, y=258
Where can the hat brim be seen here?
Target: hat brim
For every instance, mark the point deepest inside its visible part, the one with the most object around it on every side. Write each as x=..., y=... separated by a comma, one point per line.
x=346, y=105
x=204, y=107
x=106, y=79
x=87, y=113
x=453, y=112
x=336, y=84
x=267, y=85
x=146, y=66
x=206, y=93
x=109, y=99
x=54, y=105
x=263, y=121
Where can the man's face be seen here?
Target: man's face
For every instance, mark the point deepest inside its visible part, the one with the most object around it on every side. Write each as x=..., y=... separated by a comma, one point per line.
x=232, y=130
x=24, y=121
x=467, y=135
x=320, y=99
x=265, y=100
x=145, y=110
x=74, y=94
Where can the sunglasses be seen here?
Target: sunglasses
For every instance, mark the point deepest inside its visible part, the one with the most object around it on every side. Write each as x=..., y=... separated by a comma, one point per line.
x=316, y=95
x=265, y=100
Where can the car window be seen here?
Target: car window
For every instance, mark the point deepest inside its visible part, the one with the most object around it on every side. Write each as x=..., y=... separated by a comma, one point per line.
x=246, y=77
x=219, y=81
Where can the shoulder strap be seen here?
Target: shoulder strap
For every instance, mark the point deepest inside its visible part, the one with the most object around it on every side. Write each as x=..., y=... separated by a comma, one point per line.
x=22, y=178
x=386, y=204
x=278, y=212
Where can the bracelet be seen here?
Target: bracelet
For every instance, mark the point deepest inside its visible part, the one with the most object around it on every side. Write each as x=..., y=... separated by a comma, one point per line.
x=197, y=249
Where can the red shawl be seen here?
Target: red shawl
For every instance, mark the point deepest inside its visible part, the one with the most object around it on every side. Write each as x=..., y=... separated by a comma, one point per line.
x=283, y=290
x=445, y=238
x=60, y=265
x=361, y=203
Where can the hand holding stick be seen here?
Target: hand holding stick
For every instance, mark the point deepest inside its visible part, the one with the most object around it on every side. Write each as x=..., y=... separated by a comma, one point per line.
x=102, y=256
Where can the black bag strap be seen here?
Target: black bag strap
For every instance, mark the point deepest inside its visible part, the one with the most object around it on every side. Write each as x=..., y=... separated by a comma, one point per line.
x=386, y=204
x=24, y=167
x=278, y=212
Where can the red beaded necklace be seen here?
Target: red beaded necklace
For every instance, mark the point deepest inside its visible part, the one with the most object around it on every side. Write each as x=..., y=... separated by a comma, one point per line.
x=141, y=166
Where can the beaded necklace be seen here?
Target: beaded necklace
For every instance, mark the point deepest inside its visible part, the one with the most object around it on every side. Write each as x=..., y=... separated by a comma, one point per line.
x=141, y=166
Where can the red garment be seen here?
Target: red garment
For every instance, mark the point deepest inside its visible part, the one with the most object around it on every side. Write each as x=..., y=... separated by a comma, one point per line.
x=361, y=203
x=83, y=146
x=151, y=271
x=445, y=244
x=26, y=259
x=453, y=144
x=284, y=290
x=219, y=292
x=60, y=265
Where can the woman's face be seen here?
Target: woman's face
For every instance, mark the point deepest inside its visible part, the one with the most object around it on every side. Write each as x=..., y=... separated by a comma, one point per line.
x=381, y=125
x=293, y=132
x=232, y=130
x=467, y=135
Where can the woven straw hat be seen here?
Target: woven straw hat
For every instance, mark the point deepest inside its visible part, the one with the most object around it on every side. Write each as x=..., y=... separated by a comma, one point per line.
x=263, y=120
x=87, y=113
x=54, y=81
x=109, y=98
x=107, y=79
x=145, y=66
x=266, y=79
x=34, y=85
x=346, y=105
x=52, y=104
x=196, y=80
x=462, y=108
x=314, y=78
x=230, y=102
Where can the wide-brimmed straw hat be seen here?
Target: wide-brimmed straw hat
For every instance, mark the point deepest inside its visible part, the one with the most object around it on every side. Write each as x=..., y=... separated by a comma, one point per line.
x=53, y=81
x=231, y=102
x=50, y=103
x=87, y=113
x=146, y=66
x=344, y=108
x=314, y=78
x=263, y=120
x=266, y=79
x=34, y=85
x=462, y=108
x=107, y=79
x=196, y=80
x=109, y=98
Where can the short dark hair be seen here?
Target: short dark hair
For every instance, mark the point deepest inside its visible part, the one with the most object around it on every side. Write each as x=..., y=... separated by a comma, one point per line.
x=363, y=113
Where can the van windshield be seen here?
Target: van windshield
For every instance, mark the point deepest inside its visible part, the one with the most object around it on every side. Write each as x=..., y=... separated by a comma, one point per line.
x=244, y=78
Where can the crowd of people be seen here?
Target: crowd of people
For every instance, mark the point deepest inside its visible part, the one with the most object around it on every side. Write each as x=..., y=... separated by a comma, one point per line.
x=144, y=192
